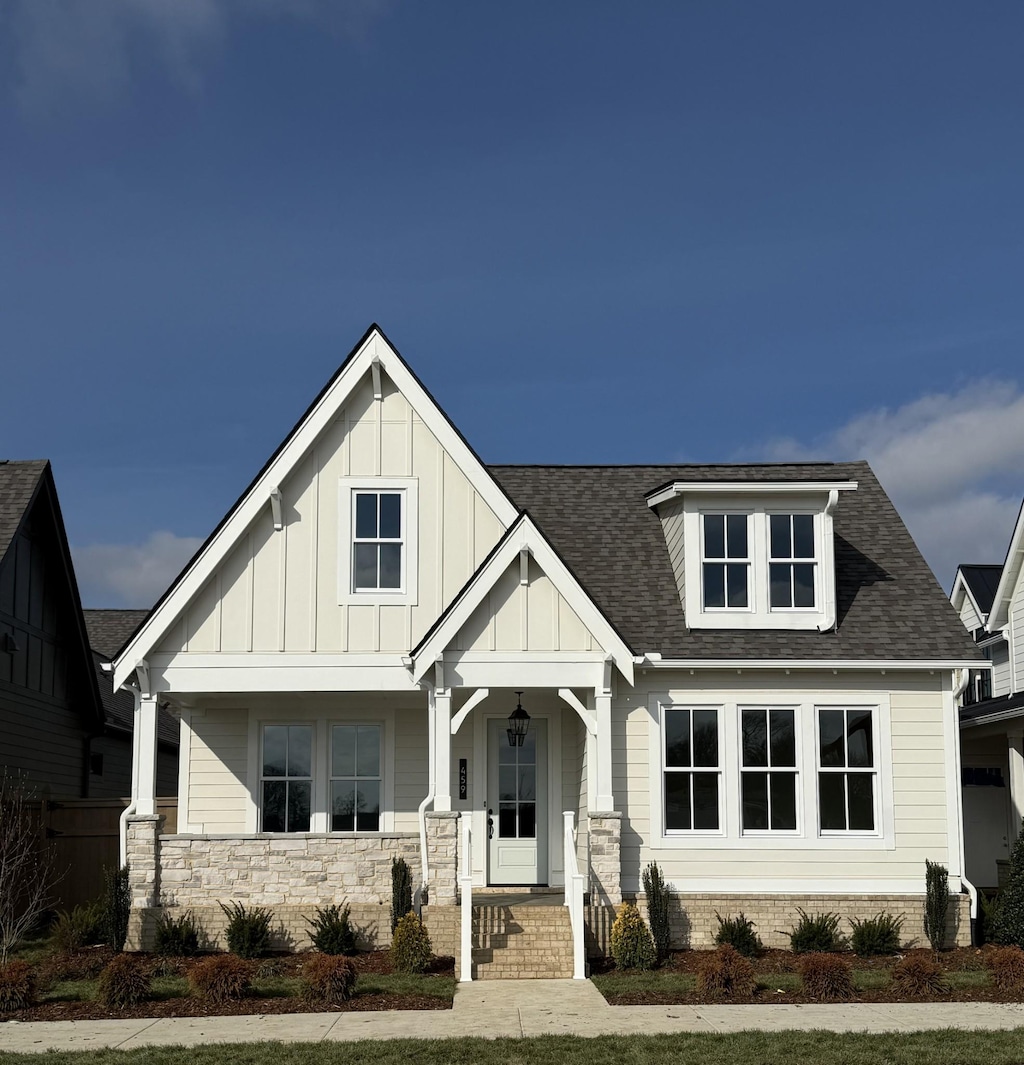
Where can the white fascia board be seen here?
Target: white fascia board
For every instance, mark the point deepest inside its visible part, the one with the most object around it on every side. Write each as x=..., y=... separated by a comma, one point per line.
x=211, y=673
x=740, y=664
x=748, y=488
x=375, y=347
x=524, y=534
x=999, y=615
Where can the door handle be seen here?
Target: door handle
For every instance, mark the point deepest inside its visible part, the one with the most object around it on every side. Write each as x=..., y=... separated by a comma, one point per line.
x=490, y=824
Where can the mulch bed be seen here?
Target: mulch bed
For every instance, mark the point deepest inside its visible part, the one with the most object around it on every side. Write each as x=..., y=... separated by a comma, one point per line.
x=87, y=964
x=773, y=962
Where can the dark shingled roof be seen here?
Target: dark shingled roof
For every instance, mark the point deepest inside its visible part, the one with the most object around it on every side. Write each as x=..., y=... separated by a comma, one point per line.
x=108, y=630
x=18, y=482
x=889, y=604
x=982, y=581
x=1000, y=705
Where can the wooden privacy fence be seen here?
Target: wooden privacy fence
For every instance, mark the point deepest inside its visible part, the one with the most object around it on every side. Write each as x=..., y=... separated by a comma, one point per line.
x=84, y=837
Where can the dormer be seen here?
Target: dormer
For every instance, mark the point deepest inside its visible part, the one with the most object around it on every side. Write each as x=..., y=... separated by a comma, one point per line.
x=753, y=554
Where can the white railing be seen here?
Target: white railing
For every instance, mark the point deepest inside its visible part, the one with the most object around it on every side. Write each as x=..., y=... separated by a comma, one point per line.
x=574, y=889
x=466, y=902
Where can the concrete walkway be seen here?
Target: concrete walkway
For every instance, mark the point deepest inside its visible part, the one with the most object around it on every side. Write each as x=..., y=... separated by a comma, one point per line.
x=512, y=1009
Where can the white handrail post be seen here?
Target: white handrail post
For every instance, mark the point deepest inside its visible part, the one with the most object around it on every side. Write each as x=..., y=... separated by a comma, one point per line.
x=574, y=882
x=466, y=902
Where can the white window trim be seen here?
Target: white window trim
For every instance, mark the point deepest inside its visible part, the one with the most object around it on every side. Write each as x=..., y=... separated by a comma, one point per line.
x=796, y=770
x=815, y=562
x=876, y=791
x=807, y=837
x=691, y=833
x=331, y=778
x=261, y=779
x=747, y=561
x=759, y=614
x=320, y=804
x=407, y=595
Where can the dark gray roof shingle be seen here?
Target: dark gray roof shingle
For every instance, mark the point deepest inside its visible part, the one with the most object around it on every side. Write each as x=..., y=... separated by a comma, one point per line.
x=109, y=629
x=18, y=482
x=890, y=606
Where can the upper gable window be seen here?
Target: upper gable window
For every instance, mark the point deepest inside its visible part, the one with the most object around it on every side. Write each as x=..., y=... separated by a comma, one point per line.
x=757, y=555
x=377, y=552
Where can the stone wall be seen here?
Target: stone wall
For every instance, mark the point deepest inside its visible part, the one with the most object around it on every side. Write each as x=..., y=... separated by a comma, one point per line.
x=442, y=857
x=605, y=832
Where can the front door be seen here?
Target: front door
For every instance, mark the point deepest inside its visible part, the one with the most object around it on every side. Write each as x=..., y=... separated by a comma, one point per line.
x=517, y=808
x=985, y=838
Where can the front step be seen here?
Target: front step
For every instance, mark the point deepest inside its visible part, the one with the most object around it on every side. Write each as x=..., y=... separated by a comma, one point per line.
x=521, y=942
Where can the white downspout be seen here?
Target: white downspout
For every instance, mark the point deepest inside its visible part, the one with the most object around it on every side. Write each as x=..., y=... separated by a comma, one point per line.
x=122, y=821
x=961, y=678
x=429, y=797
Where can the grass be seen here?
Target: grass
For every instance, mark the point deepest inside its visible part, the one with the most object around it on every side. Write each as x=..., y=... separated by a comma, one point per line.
x=949, y=1047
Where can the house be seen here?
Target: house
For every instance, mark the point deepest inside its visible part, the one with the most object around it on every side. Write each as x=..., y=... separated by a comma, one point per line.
x=530, y=678
x=990, y=602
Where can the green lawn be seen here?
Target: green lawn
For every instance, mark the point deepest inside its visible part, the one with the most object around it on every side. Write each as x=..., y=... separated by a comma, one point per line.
x=750, y=1048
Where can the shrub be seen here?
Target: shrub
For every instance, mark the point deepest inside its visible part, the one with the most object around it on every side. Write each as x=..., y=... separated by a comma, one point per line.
x=401, y=891
x=221, y=978
x=917, y=975
x=117, y=904
x=657, y=909
x=816, y=933
x=987, y=910
x=85, y=965
x=936, y=903
x=876, y=935
x=248, y=931
x=176, y=937
x=738, y=933
x=1008, y=923
x=410, y=945
x=826, y=977
x=632, y=945
x=77, y=929
x=725, y=974
x=1007, y=967
x=327, y=979
x=17, y=986
x=331, y=932
x=125, y=981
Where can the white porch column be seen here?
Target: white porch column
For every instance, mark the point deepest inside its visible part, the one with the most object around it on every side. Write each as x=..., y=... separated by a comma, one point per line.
x=604, y=801
x=443, y=749
x=144, y=775
x=1015, y=753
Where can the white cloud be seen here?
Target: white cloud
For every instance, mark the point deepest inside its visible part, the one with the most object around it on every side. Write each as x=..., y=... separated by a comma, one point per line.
x=87, y=49
x=131, y=575
x=953, y=464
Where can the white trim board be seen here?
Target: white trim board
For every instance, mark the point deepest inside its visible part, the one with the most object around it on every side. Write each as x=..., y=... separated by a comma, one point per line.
x=999, y=615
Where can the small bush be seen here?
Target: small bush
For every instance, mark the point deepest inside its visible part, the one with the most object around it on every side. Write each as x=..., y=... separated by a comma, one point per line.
x=632, y=945
x=17, y=986
x=176, y=937
x=117, y=904
x=331, y=932
x=725, y=974
x=936, y=903
x=657, y=909
x=79, y=928
x=917, y=975
x=1007, y=967
x=248, y=931
x=410, y=945
x=816, y=933
x=876, y=935
x=221, y=978
x=738, y=933
x=327, y=980
x=1008, y=922
x=401, y=891
x=83, y=965
x=124, y=982
x=826, y=977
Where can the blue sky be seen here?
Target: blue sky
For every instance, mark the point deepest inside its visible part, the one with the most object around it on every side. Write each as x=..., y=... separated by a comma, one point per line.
x=599, y=232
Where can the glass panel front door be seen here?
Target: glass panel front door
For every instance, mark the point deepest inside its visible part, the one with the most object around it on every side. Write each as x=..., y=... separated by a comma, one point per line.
x=517, y=805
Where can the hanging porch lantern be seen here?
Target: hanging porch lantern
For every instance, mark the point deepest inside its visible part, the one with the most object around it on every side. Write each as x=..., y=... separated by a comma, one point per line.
x=518, y=723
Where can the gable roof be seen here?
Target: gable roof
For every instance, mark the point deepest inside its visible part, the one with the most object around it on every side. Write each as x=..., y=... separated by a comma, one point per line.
x=999, y=614
x=18, y=484
x=373, y=349
x=889, y=605
x=523, y=533
x=980, y=583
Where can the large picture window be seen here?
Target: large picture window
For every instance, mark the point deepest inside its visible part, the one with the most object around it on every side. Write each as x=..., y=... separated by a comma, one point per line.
x=691, y=770
x=769, y=779
x=355, y=778
x=286, y=777
x=846, y=769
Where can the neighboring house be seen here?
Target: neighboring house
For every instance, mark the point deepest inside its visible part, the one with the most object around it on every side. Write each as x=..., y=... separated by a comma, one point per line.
x=743, y=673
x=61, y=725
x=990, y=602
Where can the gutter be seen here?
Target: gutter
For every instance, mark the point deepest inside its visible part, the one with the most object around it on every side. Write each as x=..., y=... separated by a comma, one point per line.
x=429, y=797
x=122, y=821
x=961, y=678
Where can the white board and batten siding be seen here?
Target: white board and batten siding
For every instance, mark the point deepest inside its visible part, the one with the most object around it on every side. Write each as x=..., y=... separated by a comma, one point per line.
x=969, y=617
x=912, y=802
x=279, y=590
x=1016, y=634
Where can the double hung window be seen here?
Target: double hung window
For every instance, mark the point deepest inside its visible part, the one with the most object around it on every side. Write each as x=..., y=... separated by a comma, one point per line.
x=355, y=778
x=377, y=543
x=791, y=561
x=287, y=777
x=725, y=562
x=691, y=770
x=769, y=777
x=846, y=770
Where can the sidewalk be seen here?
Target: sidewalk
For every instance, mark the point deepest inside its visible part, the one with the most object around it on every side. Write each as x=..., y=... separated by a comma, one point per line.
x=512, y=1009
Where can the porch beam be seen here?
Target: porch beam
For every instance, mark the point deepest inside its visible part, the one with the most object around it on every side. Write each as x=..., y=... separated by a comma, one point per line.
x=1015, y=753
x=474, y=700
x=145, y=777
x=442, y=749
x=604, y=801
x=569, y=696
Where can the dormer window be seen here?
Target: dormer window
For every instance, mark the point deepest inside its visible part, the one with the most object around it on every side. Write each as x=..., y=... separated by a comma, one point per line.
x=754, y=555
